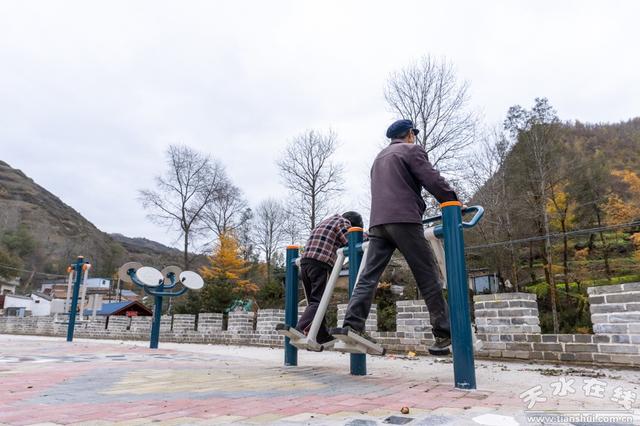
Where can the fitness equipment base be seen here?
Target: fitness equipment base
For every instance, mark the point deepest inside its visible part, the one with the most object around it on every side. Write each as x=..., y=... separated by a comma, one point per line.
x=300, y=340
x=353, y=343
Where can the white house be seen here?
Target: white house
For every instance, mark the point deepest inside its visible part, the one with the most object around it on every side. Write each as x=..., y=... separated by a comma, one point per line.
x=102, y=283
x=17, y=305
x=8, y=287
x=37, y=305
x=40, y=304
x=58, y=288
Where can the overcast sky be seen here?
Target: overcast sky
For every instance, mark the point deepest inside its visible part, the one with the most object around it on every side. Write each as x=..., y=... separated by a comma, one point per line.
x=92, y=93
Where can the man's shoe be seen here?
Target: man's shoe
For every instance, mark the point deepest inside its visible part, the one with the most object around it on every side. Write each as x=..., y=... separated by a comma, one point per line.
x=339, y=330
x=442, y=346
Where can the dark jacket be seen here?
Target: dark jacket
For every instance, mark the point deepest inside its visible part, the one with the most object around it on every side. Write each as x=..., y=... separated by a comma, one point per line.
x=399, y=173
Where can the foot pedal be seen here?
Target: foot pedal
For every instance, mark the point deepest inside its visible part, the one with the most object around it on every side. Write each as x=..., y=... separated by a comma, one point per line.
x=329, y=344
x=290, y=332
x=351, y=342
x=298, y=339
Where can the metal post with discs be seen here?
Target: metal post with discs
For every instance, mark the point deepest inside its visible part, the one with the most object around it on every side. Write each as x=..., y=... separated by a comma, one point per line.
x=156, y=283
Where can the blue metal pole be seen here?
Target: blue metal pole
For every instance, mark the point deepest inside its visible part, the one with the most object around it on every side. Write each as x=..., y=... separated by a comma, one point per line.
x=291, y=303
x=458, y=294
x=74, y=300
x=358, y=361
x=157, y=318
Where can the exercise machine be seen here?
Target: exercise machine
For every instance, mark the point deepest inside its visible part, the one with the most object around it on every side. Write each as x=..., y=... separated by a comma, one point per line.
x=447, y=242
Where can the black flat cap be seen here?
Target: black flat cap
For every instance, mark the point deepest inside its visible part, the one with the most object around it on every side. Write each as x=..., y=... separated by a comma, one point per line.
x=400, y=128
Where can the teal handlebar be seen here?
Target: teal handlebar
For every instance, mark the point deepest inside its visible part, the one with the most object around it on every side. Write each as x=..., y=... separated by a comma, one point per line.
x=432, y=219
x=479, y=212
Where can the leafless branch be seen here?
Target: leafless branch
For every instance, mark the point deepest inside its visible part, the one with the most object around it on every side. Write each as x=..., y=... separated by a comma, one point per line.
x=429, y=93
x=191, y=181
x=309, y=173
x=269, y=229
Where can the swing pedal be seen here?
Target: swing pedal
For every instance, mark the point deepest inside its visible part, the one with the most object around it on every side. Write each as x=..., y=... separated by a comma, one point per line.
x=298, y=339
x=351, y=342
x=290, y=332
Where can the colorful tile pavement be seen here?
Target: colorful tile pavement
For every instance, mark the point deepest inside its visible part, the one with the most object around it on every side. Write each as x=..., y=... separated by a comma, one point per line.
x=49, y=381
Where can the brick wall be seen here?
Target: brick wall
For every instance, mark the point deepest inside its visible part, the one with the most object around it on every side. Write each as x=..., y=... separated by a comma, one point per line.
x=165, y=324
x=615, y=312
x=413, y=329
x=266, y=327
x=507, y=324
x=240, y=322
x=370, y=325
x=209, y=323
x=506, y=314
x=268, y=319
x=140, y=325
x=183, y=323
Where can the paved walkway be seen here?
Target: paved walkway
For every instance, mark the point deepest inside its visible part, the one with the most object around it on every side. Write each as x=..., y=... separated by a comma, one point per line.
x=91, y=382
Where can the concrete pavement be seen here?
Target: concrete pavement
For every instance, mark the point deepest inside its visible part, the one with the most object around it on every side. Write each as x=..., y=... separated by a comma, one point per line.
x=90, y=382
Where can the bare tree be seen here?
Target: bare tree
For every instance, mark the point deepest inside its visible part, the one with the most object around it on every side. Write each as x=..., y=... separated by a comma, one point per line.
x=244, y=235
x=226, y=211
x=191, y=181
x=270, y=230
x=489, y=182
x=429, y=93
x=310, y=174
x=292, y=229
x=536, y=156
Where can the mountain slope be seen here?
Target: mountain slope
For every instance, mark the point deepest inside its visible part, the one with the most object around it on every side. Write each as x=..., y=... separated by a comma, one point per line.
x=60, y=233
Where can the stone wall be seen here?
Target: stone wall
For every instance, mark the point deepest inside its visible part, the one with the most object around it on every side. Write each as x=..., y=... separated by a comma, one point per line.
x=266, y=326
x=506, y=314
x=507, y=324
x=370, y=325
x=413, y=329
x=210, y=323
x=615, y=312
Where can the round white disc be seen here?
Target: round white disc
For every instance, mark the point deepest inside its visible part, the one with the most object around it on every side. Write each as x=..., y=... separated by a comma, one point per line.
x=175, y=269
x=149, y=276
x=122, y=271
x=191, y=280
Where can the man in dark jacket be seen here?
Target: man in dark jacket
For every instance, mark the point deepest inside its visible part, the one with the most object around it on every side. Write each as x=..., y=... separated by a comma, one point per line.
x=317, y=260
x=399, y=173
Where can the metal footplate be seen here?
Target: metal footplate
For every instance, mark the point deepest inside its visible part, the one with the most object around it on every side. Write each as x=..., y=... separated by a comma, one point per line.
x=299, y=340
x=352, y=342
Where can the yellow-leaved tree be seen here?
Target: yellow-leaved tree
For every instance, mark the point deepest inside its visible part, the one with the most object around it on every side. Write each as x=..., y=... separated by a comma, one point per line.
x=623, y=206
x=224, y=276
x=635, y=239
x=561, y=211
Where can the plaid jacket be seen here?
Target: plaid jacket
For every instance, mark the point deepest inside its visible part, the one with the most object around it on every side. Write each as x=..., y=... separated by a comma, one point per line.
x=326, y=239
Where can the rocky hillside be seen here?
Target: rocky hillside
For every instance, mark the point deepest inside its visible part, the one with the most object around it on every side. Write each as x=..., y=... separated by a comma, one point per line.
x=60, y=233
x=148, y=251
